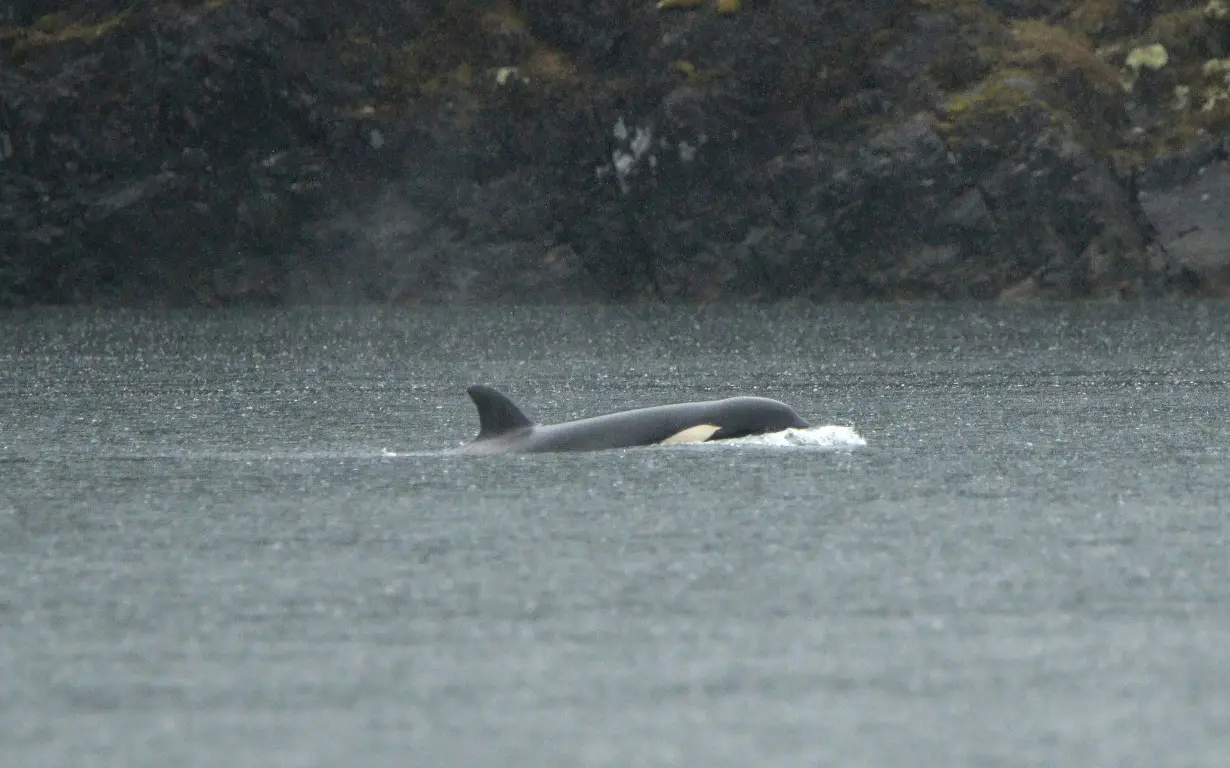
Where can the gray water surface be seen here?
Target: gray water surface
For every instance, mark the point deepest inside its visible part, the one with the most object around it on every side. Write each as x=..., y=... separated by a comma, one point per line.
x=234, y=538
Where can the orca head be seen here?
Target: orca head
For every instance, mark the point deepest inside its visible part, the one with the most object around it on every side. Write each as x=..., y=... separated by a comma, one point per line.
x=746, y=416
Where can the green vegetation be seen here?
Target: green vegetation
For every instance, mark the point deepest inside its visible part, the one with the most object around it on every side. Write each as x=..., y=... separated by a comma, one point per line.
x=64, y=27
x=1081, y=61
x=994, y=109
x=721, y=6
x=81, y=24
x=464, y=52
x=1055, y=51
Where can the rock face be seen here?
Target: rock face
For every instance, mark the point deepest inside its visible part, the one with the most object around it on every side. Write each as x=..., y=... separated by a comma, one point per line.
x=1188, y=211
x=252, y=151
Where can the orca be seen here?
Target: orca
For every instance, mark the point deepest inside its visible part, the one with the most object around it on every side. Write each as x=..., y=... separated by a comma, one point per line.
x=504, y=428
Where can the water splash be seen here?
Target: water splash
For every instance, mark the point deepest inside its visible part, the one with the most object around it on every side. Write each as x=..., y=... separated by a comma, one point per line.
x=828, y=437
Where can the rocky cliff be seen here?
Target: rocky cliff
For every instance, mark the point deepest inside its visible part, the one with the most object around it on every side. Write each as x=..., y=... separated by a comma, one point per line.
x=240, y=151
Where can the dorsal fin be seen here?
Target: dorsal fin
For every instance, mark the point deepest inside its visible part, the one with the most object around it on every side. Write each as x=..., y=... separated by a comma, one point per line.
x=496, y=413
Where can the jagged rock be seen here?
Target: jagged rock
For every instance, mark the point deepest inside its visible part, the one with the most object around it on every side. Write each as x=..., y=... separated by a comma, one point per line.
x=1175, y=169
x=1192, y=227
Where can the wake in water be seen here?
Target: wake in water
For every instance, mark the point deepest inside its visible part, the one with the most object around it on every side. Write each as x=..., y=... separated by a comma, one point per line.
x=828, y=437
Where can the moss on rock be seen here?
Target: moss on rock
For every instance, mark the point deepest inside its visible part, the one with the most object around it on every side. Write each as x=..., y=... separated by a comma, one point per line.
x=58, y=28
x=1054, y=51
x=461, y=52
x=994, y=110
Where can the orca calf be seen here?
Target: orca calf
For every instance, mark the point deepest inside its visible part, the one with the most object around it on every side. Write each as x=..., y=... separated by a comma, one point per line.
x=503, y=428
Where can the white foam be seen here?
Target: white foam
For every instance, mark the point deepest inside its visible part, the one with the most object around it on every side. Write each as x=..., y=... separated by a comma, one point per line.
x=828, y=437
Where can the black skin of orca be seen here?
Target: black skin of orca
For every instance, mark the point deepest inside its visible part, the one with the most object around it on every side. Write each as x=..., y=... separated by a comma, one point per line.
x=503, y=428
